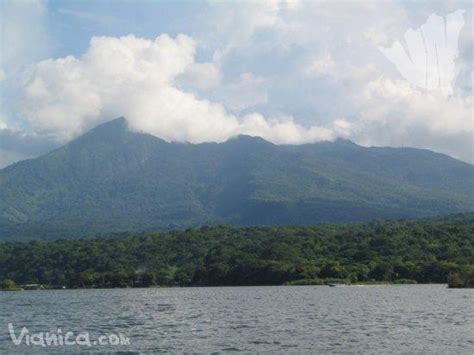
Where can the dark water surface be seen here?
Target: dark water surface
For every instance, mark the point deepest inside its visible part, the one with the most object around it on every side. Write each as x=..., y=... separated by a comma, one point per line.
x=368, y=319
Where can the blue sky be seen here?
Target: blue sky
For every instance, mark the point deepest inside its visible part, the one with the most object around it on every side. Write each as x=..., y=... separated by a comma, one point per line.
x=290, y=71
x=74, y=23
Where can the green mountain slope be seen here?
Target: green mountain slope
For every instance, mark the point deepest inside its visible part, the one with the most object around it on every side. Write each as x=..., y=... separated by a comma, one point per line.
x=112, y=179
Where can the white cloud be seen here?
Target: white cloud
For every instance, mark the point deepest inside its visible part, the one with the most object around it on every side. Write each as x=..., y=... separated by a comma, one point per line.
x=234, y=24
x=383, y=109
x=136, y=78
x=397, y=100
x=3, y=125
x=247, y=91
x=283, y=131
x=393, y=112
x=202, y=76
x=342, y=127
x=324, y=65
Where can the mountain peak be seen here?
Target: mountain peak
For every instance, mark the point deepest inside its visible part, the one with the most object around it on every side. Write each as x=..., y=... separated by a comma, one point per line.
x=242, y=138
x=110, y=131
x=344, y=141
x=119, y=123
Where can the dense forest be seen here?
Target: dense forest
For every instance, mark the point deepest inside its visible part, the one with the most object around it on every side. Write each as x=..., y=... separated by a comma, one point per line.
x=392, y=251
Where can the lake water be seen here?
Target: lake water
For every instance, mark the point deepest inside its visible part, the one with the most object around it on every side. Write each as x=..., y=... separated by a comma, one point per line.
x=369, y=319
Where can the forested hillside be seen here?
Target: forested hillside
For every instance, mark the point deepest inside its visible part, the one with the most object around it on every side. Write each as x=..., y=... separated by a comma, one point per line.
x=424, y=251
x=113, y=180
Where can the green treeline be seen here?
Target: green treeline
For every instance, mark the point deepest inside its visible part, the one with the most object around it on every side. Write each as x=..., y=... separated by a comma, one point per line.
x=392, y=251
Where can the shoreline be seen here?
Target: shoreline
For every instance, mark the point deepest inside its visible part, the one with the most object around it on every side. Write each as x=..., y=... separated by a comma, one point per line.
x=235, y=286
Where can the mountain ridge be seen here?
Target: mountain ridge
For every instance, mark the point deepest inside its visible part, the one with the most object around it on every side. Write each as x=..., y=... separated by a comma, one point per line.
x=112, y=179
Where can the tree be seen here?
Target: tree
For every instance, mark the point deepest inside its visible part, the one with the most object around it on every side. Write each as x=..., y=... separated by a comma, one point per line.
x=8, y=284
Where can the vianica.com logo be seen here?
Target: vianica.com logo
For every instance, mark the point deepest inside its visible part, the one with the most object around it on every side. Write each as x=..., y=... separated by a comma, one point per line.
x=60, y=338
x=429, y=61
